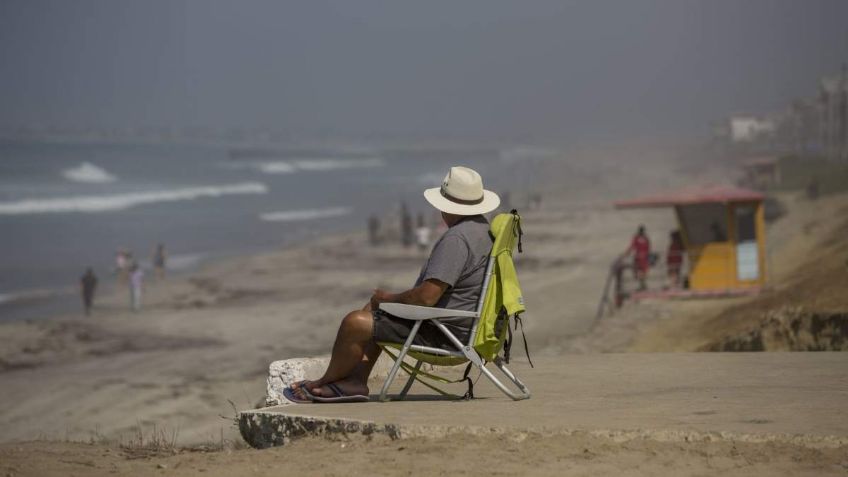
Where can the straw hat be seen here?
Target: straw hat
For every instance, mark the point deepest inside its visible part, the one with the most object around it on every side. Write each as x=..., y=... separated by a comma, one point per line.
x=462, y=193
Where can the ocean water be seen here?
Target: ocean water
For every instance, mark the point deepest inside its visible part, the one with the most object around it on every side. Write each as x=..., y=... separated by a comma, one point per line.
x=64, y=207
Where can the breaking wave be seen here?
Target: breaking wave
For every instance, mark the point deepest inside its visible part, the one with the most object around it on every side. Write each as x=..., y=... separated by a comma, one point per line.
x=276, y=167
x=89, y=173
x=290, y=166
x=105, y=203
x=333, y=164
x=306, y=214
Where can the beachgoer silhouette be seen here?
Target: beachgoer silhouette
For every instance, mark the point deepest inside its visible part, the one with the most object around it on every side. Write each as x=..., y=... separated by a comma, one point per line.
x=122, y=265
x=640, y=248
x=422, y=233
x=136, y=285
x=159, y=257
x=373, y=230
x=406, y=234
x=88, y=284
x=674, y=258
x=813, y=188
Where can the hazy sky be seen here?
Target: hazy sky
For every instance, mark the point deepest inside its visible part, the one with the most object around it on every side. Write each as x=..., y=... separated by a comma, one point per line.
x=553, y=71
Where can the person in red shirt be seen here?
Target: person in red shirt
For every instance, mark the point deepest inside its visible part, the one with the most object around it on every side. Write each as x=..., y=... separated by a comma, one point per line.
x=640, y=247
x=674, y=259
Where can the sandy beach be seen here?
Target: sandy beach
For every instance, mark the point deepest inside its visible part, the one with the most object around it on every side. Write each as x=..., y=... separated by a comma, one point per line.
x=199, y=349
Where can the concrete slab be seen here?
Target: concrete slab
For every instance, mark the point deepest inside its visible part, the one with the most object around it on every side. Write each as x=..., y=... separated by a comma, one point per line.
x=795, y=397
x=287, y=371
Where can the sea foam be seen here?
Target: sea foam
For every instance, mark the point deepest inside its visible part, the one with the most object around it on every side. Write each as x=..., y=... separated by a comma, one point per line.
x=333, y=164
x=276, y=167
x=89, y=173
x=305, y=214
x=105, y=203
x=290, y=166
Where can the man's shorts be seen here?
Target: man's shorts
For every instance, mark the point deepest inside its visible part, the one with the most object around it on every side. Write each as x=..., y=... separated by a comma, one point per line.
x=391, y=329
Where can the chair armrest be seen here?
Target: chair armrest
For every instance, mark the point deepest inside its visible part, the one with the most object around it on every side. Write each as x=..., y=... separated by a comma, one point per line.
x=414, y=312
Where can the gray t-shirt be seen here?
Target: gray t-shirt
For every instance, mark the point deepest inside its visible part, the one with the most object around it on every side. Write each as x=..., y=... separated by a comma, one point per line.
x=459, y=259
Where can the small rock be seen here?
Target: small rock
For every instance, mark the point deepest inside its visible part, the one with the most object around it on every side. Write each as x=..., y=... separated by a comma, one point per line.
x=161, y=466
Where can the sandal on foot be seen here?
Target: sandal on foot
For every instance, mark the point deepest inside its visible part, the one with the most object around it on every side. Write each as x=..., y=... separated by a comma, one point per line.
x=289, y=393
x=340, y=396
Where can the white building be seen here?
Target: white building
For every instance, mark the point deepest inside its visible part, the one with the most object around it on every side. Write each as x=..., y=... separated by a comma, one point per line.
x=746, y=129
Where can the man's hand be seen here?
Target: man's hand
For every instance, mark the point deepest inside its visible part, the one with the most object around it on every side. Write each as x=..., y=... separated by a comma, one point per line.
x=381, y=296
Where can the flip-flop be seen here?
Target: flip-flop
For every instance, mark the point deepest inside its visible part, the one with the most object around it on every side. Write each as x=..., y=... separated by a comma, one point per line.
x=340, y=396
x=289, y=394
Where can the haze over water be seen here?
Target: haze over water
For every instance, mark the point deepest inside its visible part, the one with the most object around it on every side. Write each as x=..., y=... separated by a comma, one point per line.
x=67, y=206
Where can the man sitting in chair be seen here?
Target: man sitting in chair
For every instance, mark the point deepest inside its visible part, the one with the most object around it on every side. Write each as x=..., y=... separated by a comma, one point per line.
x=451, y=278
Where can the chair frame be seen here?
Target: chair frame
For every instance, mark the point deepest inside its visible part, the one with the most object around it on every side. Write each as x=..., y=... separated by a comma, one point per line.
x=424, y=313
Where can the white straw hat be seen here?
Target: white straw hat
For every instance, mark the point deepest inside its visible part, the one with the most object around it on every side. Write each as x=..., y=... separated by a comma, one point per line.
x=462, y=193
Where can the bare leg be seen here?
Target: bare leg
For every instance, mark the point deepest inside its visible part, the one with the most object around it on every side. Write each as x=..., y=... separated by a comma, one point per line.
x=353, y=358
x=362, y=370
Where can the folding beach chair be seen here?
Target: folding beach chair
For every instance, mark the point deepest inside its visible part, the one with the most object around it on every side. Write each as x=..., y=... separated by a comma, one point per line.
x=500, y=300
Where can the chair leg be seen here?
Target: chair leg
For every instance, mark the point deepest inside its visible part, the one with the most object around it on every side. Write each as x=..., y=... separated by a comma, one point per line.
x=384, y=392
x=472, y=356
x=410, y=380
x=523, y=392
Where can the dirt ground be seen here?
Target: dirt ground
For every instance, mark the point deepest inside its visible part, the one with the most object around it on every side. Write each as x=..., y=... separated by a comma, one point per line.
x=577, y=454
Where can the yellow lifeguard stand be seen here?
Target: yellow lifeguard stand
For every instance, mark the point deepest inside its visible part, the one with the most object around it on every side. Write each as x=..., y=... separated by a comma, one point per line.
x=723, y=230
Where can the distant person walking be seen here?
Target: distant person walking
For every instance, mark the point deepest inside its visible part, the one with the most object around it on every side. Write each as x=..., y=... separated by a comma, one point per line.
x=640, y=248
x=136, y=286
x=406, y=233
x=159, y=258
x=373, y=230
x=813, y=188
x=674, y=259
x=88, y=284
x=422, y=233
x=122, y=266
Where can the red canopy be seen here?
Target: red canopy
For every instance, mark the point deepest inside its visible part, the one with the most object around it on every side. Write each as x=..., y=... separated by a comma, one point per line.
x=693, y=195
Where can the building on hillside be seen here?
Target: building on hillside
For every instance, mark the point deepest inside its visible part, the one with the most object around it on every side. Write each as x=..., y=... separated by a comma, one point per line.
x=833, y=108
x=749, y=129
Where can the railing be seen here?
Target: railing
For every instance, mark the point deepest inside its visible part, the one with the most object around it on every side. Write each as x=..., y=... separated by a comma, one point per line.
x=714, y=265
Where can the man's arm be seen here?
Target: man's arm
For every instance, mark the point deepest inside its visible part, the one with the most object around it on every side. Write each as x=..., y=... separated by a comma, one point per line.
x=426, y=294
